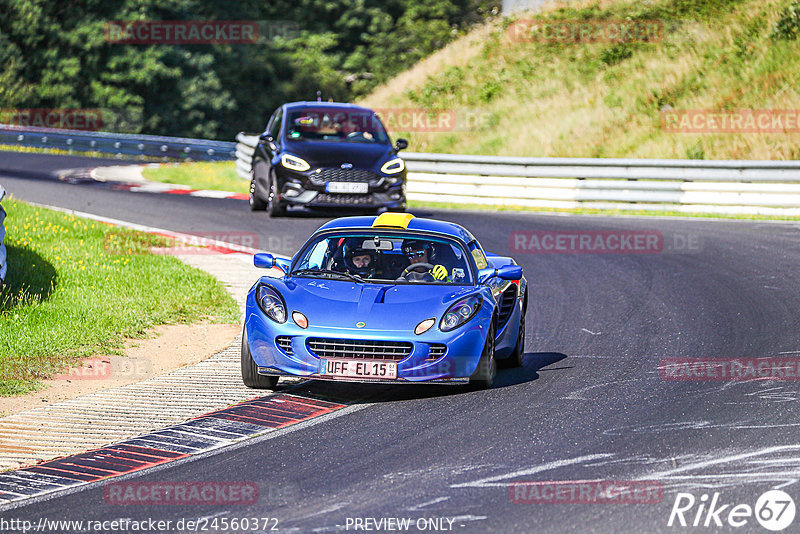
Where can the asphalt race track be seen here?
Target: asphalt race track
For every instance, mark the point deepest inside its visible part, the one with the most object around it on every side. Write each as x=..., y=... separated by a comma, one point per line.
x=589, y=404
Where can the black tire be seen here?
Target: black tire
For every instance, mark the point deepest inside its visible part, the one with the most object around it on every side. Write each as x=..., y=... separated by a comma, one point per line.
x=274, y=206
x=484, y=374
x=256, y=202
x=515, y=360
x=250, y=375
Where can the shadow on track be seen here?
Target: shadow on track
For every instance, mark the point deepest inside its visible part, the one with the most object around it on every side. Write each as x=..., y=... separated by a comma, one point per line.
x=358, y=393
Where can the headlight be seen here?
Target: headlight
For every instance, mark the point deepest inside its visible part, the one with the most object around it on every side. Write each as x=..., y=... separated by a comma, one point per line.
x=294, y=163
x=459, y=313
x=271, y=303
x=393, y=166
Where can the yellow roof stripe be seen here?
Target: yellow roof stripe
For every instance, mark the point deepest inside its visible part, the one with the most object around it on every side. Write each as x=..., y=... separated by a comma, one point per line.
x=393, y=220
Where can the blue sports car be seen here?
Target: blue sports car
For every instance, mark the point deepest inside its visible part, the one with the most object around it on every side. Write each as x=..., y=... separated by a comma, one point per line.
x=391, y=298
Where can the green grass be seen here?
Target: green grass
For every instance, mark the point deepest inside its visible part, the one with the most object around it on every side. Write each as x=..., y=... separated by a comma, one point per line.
x=77, y=288
x=606, y=99
x=217, y=176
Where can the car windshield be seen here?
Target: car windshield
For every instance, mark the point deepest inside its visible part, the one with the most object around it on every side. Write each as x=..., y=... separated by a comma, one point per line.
x=385, y=258
x=335, y=124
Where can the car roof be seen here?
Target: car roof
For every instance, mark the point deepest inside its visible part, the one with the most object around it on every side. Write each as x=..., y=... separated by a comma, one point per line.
x=399, y=221
x=343, y=105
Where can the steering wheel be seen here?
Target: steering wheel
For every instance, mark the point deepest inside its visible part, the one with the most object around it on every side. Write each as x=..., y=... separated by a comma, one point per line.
x=428, y=266
x=355, y=134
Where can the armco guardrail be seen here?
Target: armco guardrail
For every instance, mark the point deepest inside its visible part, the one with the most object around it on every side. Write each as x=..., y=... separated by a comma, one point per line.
x=766, y=187
x=754, y=187
x=119, y=145
x=245, y=147
x=3, y=264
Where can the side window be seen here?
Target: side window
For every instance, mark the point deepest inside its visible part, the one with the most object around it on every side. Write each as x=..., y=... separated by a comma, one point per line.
x=272, y=120
x=317, y=256
x=275, y=128
x=477, y=254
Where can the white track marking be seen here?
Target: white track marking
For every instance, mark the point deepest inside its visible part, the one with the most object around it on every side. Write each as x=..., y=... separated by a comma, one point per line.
x=670, y=473
x=494, y=482
x=417, y=507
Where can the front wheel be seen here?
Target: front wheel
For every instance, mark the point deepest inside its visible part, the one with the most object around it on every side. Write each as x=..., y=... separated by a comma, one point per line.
x=274, y=206
x=256, y=202
x=483, y=377
x=250, y=375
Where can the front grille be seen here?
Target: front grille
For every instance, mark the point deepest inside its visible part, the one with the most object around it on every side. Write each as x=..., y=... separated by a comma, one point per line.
x=285, y=343
x=357, y=348
x=343, y=175
x=507, y=301
x=343, y=198
x=436, y=351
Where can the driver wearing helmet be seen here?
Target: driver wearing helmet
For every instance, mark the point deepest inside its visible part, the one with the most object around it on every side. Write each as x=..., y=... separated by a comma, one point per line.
x=358, y=260
x=421, y=268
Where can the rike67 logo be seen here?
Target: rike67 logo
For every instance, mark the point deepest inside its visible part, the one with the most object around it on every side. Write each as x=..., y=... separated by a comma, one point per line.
x=774, y=510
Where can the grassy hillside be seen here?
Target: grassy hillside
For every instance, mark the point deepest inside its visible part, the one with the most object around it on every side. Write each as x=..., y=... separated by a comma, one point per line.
x=607, y=99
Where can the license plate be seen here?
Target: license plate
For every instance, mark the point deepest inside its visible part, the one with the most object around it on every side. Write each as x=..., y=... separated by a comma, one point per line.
x=347, y=187
x=358, y=369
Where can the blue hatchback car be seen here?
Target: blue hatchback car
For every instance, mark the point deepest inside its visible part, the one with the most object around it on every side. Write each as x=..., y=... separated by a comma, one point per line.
x=392, y=298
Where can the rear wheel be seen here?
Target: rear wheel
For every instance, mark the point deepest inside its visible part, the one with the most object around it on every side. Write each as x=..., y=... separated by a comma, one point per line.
x=250, y=375
x=483, y=377
x=515, y=360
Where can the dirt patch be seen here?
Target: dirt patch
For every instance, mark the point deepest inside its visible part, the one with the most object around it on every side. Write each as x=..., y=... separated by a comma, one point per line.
x=172, y=347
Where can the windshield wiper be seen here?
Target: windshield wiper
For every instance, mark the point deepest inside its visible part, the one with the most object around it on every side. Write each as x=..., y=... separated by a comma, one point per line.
x=353, y=277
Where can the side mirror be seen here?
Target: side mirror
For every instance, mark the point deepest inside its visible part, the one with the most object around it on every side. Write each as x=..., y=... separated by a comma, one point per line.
x=401, y=144
x=283, y=264
x=510, y=272
x=506, y=272
x=264, y=261
x=486, y=274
